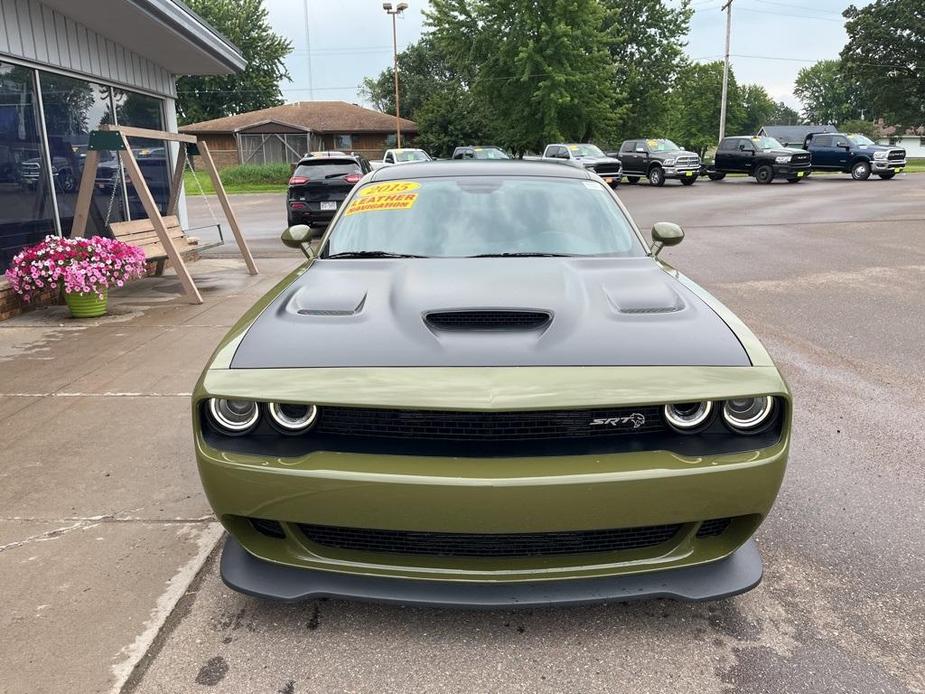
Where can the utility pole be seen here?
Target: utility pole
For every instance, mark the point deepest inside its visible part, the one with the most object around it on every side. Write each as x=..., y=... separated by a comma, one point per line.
x=401, y=7
x=727, y=8
x=308, y=54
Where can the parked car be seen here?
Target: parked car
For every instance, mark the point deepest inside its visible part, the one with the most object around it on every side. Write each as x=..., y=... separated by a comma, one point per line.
x=30, y=171
x=762, y=157
x=855, y=154
x=587, y=156
x=480, y=152
x=486, y=389
x=401, y=156
x=319, y=185
x=658, y=159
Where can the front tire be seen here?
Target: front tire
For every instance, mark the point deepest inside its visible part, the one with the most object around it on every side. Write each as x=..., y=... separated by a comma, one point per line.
x=887, y=175
x=688, y=181
x=764, y=174
x=860, y=170
x=716, y=176
x=632, y=180
x=657, y=176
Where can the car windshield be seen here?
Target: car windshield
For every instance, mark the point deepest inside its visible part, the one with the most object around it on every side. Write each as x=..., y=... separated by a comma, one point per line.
x=585, y=151
x=411, y=155
x=766, y=143
x=483, y=216
x=326, y=168
x=489, y=153
x=662, y=146
x=858, y=139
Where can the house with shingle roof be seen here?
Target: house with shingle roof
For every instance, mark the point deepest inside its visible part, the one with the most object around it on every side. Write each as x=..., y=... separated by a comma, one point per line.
x=285, y=133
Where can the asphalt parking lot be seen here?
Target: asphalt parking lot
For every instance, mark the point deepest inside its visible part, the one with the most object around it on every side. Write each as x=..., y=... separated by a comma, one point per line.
x=828, y=273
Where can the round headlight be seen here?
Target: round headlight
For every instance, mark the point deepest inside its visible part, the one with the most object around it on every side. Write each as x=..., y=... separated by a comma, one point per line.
x=234, y=416
x=292, y=419
x=747, y=414
x=687, y=416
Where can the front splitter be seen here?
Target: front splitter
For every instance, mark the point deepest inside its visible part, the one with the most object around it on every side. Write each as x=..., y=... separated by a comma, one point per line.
x=737, y=573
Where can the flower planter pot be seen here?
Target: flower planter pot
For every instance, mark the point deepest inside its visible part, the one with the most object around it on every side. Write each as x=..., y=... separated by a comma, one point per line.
x=86, y=305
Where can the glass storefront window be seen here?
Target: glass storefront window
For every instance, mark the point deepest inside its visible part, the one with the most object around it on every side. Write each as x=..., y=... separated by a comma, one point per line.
x=73, y=108
x=142, y=111
x=26, y=208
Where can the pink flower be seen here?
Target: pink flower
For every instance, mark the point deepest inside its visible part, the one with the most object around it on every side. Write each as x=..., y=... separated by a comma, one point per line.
x=80, y=265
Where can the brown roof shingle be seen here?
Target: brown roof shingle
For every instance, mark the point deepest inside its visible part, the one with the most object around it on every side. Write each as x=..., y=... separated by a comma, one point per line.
x=317, y=116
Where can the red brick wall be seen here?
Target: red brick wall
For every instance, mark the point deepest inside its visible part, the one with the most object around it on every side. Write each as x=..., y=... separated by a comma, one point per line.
x=11, y=305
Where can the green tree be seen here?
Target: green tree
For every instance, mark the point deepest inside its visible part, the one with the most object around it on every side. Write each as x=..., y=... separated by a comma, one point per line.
x=784, y=115
x=826, y=95
x=646, y=39
x=245, y=24
x=422, y=69
x=757, y=108
x=539, y=72
x=698, y=94
x=864, y=127
x=448, y=118
x=885, y=56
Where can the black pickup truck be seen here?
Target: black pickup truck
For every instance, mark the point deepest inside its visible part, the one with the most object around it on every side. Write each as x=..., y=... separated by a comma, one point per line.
x=762, y=157
x=657, y=160
x=855, y=154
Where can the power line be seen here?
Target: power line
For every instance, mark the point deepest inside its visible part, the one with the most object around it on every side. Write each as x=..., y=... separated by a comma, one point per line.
x=798, y=7
x=798, y=16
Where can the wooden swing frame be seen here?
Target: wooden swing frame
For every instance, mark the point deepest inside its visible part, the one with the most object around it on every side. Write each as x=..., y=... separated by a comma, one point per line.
x=115, y=138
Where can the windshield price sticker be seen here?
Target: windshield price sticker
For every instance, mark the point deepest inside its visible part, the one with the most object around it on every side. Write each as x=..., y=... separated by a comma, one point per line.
x=388, y=187
x=393, y=195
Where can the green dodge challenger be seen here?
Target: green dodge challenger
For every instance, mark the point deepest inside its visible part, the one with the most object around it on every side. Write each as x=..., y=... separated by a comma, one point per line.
x=485, y=390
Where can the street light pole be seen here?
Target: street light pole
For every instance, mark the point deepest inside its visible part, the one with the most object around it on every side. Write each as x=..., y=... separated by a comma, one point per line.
x=401, y=7
x=727, y=8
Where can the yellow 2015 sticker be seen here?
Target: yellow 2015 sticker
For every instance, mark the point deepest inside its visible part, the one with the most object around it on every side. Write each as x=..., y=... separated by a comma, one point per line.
x=390, y=195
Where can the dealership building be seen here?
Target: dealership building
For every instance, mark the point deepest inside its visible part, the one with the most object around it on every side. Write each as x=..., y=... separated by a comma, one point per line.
x=69, y=66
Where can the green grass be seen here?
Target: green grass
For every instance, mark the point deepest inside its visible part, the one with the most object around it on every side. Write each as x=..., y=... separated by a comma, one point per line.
x=915, y=165
x=248, y=178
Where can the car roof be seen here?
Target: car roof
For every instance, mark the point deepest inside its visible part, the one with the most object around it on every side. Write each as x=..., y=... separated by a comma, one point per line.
x=328, y=157
x=477, y=167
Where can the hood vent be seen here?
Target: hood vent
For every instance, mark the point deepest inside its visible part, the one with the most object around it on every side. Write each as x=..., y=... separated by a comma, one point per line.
x=482, y=320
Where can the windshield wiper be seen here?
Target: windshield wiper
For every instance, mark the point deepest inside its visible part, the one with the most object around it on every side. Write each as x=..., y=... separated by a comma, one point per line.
x=523, y=255
x=372, y=254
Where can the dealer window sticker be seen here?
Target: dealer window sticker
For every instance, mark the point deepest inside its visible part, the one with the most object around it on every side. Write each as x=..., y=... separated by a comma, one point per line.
x=390, y=195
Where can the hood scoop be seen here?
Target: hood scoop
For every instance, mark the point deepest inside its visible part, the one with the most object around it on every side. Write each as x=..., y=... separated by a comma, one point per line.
x=487, y=320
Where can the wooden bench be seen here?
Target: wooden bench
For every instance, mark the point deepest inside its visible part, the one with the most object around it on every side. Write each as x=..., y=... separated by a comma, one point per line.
x=141, y=233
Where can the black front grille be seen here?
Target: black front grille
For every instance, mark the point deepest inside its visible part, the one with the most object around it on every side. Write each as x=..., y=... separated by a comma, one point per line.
x=897, y=154
x=610, y=168
x=488, y=426
x=799, y=160
x=489, y=545
x=713, y=527
x=487, y=320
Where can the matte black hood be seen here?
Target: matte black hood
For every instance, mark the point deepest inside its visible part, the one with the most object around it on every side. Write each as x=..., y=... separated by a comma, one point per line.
x=602, y=312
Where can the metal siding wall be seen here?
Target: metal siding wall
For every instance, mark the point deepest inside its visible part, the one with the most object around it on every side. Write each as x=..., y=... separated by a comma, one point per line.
x=34, y=32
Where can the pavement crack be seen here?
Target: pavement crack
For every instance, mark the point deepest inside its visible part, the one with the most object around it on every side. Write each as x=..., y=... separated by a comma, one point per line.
x=48, y=535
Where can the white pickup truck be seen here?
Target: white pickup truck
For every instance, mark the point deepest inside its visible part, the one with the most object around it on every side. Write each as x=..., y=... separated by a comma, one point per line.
x=401, y=156
x=588, y=156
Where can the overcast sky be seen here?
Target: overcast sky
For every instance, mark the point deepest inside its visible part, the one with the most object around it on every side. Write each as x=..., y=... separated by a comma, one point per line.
x=352, y=39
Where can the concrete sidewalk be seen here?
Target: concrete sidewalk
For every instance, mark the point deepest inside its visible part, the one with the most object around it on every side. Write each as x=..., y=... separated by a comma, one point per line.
x=103, y=523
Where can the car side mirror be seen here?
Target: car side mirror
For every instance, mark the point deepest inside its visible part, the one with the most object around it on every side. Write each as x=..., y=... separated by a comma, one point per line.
x=665, y=234
x=299, y=236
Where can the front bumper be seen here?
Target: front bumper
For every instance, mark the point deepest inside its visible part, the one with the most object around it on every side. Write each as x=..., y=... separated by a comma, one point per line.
x=682, y=172
x=788, y=171
x=733, y=575
x=885, y=165
x=430, y=494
